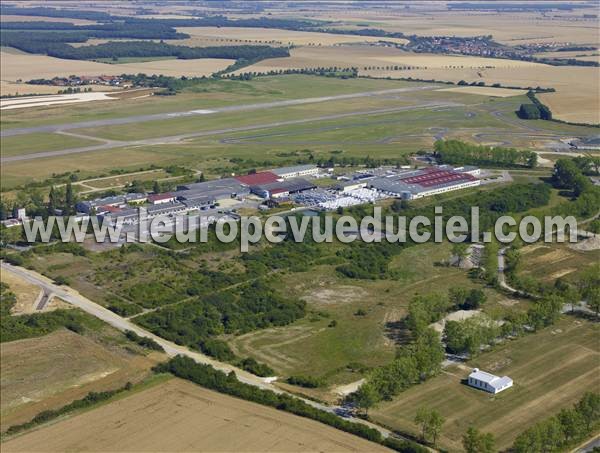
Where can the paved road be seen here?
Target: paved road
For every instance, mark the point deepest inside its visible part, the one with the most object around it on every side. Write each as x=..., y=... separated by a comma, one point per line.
x=109, y=144
x=227, y=109
x=75, y=298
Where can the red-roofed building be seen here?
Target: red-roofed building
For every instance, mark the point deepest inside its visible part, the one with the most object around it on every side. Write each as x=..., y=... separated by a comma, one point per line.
x=158, y=198
x=108, y=208
x=257, y=179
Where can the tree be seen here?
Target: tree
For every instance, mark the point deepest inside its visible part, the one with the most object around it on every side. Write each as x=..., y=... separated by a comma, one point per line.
x=69, y=199
x=156, y=187
x=572, y=423
x=529, y=441
x=459, y=249
x=421, y=420
x=366, y=397
x=435, y=425
x=552, y=435
x=475, y=299
x=475, y=441
x=430, y=422
x=589, y=408
x=53, y=201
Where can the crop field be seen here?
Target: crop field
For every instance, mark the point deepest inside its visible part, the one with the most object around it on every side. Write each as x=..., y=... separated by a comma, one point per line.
x=243, y=35
x=181, y=416
x=51, y=371
x=363, y=55
x=18, y=18
x=28, y=66
x=509, y=28
x=551, y=369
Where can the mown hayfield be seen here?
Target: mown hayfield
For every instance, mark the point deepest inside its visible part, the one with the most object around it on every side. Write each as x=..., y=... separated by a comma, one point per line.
x=180, y=416
x=50, y=371
x=551, y=370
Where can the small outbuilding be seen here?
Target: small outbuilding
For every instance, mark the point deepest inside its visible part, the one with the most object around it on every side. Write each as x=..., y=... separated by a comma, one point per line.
x=489, y=382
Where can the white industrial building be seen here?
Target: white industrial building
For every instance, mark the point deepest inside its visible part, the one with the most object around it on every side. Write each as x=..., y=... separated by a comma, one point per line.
x=489, y=382
x=296, y=171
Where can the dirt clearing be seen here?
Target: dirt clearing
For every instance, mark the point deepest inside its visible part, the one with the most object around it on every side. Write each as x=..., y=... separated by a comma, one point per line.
x=486, y=91
x=181, y=416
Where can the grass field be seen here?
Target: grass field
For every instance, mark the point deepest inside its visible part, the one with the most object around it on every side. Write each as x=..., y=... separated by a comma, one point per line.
x=549, y=262
x=474, y=118
x=551, y=370
x=41, y=141
x=310, y=347
x=210, y=93
x=571, y=102
x=181, y=416
x=51, y=371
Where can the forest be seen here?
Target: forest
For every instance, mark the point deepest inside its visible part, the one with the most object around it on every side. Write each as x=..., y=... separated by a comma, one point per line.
x=54, y=44
x=457, y=152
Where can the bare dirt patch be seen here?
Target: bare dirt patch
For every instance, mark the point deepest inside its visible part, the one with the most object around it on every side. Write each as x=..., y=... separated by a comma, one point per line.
x=26, y=293
x=486, y=91
x=587, y=245
x=180, y=416
x=335, y=295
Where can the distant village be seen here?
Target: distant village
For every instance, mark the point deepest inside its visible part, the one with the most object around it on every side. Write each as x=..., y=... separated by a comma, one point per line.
x=78, y=81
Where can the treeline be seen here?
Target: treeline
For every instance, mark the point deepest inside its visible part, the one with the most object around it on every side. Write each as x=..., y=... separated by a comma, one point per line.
x=38, y=324
x=242, y=309
x=90, y=399
x=54, y=44
x=564, y=430
x=145, y=342
x=534, y=111
x=331, y=71
x=206, y=376
x=56, y=12
x=461, y=153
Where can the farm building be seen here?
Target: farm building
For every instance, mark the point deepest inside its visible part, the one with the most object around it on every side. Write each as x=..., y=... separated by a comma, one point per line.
x=489, y=382
x=296, y=171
